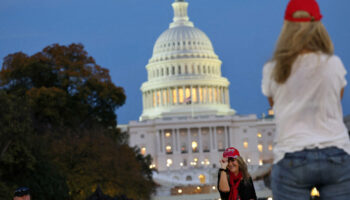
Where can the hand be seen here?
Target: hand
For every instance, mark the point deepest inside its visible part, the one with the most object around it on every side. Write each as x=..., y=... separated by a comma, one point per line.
x=223, y=163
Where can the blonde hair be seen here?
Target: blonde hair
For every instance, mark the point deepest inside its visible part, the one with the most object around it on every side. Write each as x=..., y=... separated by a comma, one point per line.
x=243, y=168
x=294, y=39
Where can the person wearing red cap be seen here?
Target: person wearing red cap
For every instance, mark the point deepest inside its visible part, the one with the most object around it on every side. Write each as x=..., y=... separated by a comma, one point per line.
x=304, y=83
x=234, y=181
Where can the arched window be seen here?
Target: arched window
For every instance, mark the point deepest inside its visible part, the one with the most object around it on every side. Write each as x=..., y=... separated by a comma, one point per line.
x=188, y=178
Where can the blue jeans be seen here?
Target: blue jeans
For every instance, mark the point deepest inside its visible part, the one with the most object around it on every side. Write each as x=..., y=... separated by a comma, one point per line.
x=328, y=169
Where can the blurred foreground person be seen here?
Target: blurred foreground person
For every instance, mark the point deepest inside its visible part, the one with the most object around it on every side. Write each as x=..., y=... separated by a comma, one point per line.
x=22, y=193
x=234, y=181
x=304, y=83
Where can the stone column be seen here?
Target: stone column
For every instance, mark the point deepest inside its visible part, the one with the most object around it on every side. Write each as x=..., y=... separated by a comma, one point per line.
x=173, y=143
x=200, y=140
x=161, y=141
x=178, y=143
x=215, y=139
x=211, y=139
x=226, y=137
x=171, y=100
x=159, y=151
x=189, y=144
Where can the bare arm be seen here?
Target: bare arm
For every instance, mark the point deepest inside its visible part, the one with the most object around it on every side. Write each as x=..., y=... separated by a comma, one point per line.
x=223, y=183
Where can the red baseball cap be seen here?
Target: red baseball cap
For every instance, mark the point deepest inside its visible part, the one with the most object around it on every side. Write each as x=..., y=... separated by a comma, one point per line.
x=309, y=6
x=230, y=152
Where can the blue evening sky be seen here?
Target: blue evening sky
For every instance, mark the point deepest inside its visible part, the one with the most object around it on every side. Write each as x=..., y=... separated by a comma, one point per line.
x=120, y=35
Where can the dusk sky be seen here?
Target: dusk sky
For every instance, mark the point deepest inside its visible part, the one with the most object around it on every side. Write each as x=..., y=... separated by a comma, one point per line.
x=120, y=35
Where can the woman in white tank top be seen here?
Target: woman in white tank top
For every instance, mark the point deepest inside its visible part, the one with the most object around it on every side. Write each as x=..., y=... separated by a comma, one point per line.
x=304, y=83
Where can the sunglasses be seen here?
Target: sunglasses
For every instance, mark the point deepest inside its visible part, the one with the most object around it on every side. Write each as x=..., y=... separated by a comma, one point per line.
x=22, y=191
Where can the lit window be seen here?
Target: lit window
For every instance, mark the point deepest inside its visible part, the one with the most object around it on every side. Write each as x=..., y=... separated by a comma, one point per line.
x=154, y=99
x=210, y=95
x=200, y=94
x=194, y=145
x=168, y=149
x=152, y=166
x=169, y=162
x=187, y=93
x=201, y=178
x=260, y=147
x=260, y=162
x=270, y=147
x=167, y=134
x=245, y=144
x=215, y=94
x=164, y=97
x=181, y=95
x=174, y=96
x=195, y=159
x=194, y=94
x=158, y=98
x=271, y=112
x=259, y=135
x=143, y=150
x=314, y=192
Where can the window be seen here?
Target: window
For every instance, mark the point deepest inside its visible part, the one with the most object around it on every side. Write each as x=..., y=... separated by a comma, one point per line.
x=143, y=150
x=194, y=94
x=270, y=147
x=210, y=95
x=200, y=94
x=164, y=97
x=245, y=144
x=181, y=95
x=168, y=149
x=174, y=96
x=201, y=178
x=169, y=162
x=260, y=147
x=259, y=135
x=194, y=146
x=167, y=134
x=158, y=97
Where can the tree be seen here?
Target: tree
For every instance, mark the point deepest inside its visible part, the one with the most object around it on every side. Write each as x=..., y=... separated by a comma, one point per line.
x=65, y=87
x=68, y=102
x=22, y=161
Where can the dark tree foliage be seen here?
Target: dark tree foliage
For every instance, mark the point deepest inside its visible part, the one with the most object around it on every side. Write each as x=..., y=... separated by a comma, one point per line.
x=58, y=131
x=65, y=88
x=22, y=162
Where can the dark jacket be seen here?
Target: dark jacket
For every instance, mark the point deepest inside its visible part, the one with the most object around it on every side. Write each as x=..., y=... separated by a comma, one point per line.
x=246, y=189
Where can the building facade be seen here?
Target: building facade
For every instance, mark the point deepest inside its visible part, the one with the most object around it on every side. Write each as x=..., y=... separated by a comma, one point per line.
x=187, y=121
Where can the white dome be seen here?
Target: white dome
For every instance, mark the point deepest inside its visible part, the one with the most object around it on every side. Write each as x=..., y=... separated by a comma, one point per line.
x=182, y=41
x=184, y=73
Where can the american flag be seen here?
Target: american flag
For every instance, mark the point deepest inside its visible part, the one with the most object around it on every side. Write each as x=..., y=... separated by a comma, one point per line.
x=188, y=100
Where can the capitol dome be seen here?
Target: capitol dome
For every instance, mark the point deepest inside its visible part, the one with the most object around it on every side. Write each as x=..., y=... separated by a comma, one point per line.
x=184, y=73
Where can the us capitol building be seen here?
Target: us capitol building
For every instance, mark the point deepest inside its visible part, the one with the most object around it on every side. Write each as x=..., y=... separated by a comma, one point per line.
x=187, y=120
